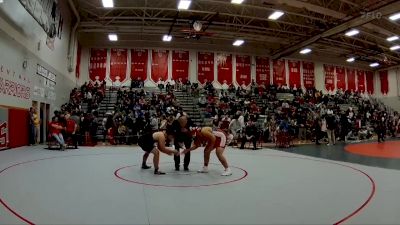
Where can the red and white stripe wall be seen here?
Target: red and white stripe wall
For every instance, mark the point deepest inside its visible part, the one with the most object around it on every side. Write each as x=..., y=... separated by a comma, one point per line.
x=122, y=65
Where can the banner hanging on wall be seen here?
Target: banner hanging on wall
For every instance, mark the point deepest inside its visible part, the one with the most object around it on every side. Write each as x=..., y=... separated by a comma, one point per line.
x=341, y=78
x=308, y=75
x=159, y=65
x=279, y=73
x=243, y=69
x=361, y=81
x=351, y=80
x=118, y=64
x=98, y=63
x=383, y=77
x=329, y=71
x=139, y=60
x=180, y=65
x=205, y=67
x=224, y=69
x=294, y=73
x=263, y=71
x=369, y=75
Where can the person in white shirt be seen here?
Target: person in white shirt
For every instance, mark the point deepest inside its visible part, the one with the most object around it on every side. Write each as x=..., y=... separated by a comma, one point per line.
x=225, y=85
x=173, y=84
x=241, y=121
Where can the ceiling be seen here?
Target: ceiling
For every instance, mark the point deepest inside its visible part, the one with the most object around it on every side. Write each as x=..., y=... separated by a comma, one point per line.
x=316, y=24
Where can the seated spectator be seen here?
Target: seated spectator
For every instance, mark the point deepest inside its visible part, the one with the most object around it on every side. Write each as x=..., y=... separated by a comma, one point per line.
x=55, y=131
x=250, y=134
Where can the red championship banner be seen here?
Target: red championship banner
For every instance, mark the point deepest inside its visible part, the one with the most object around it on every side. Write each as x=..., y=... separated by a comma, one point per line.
x=139, y=59
x=263, y=71
x=159, y=65
x=294, y=74
x=383, y=77
x=205, y=67
x=329, y=71
x=361, y=81
x=180, y=65
x=279, y=73
x=341, y=78
x=118, y=64
x=243, y=69
x=308, y=75
x=351, y=80
x=78, y=61
x=97, y=64
x=224, y=69
x=369, y=75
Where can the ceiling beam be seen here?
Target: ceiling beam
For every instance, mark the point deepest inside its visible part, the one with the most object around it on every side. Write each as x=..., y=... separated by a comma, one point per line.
x=355, y=22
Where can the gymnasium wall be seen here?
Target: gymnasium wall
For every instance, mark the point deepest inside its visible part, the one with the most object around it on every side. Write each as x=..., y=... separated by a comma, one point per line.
x=23, y=53
x=319, y=72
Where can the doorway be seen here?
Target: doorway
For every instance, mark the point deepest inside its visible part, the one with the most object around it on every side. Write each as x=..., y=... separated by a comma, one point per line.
x=42, y=119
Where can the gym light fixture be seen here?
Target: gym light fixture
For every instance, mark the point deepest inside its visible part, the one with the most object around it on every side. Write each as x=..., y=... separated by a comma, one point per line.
x=167, y=38
x=108, y=3
x=113, y=37
x=374, y=64
x=237, y=1
x=184, y=4
x=394, y=48
x=352, y=59
x=276, y=15
x=395, y=17
x=392, y=38
x=305, y=51
x=352, y=32
x=238, y=42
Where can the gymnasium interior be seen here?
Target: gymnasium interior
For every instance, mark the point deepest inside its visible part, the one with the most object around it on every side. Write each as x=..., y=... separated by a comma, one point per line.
x=300, y=99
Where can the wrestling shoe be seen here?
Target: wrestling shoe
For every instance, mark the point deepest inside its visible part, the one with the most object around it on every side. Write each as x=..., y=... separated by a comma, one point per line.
x=145, y=167
x=203, y=170
x=227, y=172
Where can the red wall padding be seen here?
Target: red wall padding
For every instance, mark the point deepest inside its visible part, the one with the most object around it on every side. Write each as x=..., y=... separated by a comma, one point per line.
x=294, y=73
x=18, y=129
x=205, y=67
x=383, y=75
x=370, y=82
x=180, y=65
x=351, y=80
x=341, y=78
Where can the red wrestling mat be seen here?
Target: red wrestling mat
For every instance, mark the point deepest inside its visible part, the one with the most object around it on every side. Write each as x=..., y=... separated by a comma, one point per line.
x=390, y=149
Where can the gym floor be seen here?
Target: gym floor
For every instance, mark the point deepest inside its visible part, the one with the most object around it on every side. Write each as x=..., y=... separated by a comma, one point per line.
x=105, y=185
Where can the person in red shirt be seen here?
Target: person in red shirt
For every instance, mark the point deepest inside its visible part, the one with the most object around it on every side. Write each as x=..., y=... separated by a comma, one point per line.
x=55, y=131
x=70, y=129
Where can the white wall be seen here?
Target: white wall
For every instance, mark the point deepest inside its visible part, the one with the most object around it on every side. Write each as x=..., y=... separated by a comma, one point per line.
x=21, y=38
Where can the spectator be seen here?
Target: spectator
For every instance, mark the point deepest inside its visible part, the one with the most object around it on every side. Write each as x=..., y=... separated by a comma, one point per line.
x=55, y=131
x=251, y=134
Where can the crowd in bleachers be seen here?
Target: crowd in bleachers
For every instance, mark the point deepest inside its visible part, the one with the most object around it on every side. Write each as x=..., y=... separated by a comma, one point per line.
x=268, y=113
x=72, y=123
x=253, y=114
